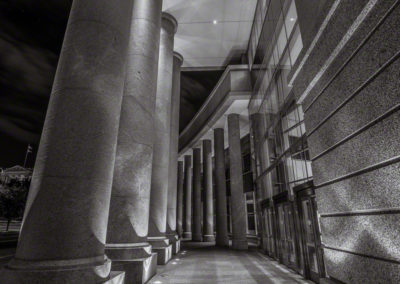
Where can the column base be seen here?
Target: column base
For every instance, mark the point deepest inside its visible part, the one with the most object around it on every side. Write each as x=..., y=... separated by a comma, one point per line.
x=175, y=242
x=239, y=244
x=222, y=241
x=197, y=238
x=208, y=238
x=138, y=270
x=136, y=259
x=87, y=270
x=187, y=235
x=117, y=277
x=163, y=249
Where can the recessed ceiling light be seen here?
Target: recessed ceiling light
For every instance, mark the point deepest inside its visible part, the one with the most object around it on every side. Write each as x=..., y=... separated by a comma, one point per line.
x=215, y=22
x=292, y=19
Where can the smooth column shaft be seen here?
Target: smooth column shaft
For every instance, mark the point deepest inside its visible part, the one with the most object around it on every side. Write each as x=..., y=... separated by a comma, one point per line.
x=179, y=205
x=222, y=238
x=208, y=203
x=162, y=124
x=174, y=139
x=239, y=240
x=130, y=198
x=187, y=187
x=65, y=221
x=197, y=195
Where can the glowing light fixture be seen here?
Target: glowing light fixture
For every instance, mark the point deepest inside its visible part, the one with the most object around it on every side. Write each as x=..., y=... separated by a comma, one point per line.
x=292, y=19
x=215, y=22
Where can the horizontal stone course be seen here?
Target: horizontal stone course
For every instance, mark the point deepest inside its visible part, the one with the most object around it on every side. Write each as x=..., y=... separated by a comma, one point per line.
x=373, y=146
x=362, y=109
x=373, y=190
x=378, y=49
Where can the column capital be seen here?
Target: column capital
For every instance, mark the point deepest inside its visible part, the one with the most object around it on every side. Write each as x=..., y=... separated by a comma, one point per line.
x=169, y=22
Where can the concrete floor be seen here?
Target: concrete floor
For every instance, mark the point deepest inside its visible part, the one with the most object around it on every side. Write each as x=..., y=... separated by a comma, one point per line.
x=204, y=263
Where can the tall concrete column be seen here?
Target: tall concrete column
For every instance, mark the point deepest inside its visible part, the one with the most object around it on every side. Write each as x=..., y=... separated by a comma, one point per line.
x=173, y=154
x=179, y=205
x=128, y=222
x=65, y=221
x=162, y=120
x=197, y=195
x=222, y=238
x=239, y=240
x=208, y=203
x=187, y=190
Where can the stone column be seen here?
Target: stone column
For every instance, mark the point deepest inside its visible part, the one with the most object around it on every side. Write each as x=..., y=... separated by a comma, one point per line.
x=208, y=203
x=179, y=205
x=239, y=240
x=128, y=222
x=65, y=221
x=159, y=178
x=187, y=188
x=220, y=188
x=197, y=195
x=173, y=154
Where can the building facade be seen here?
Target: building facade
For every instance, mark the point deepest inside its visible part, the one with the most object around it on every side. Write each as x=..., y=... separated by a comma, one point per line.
x=295, y=150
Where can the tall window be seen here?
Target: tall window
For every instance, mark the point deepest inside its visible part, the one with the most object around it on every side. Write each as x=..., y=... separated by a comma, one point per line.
x=287, y=162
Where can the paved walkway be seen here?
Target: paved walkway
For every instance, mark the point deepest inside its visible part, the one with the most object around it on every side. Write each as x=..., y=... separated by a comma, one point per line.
x=204, y=263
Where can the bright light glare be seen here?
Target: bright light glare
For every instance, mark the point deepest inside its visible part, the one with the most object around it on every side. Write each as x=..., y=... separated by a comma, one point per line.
x=215, y=22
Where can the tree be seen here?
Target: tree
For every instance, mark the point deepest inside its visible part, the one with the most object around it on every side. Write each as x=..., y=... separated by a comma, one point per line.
x=13, y=199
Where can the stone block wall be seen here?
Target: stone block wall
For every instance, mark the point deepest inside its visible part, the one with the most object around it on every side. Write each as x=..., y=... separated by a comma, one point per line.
x=350, y=91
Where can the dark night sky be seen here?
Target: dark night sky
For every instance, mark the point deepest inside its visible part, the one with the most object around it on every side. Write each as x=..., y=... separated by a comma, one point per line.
x=31, y=33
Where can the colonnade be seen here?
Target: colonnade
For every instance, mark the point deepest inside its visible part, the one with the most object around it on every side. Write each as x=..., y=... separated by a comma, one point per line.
x=198, y=190
x=101, y=199
x=107, y=195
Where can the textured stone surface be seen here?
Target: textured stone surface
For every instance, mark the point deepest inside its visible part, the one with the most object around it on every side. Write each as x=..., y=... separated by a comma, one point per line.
x=187, y=188
x=239, y=240
x=369, y=237
x=345, y=14
x=173, y=148
x=222, y=238
x=162, y=127
x=374, y=145
x=196, y=233
x=362, y=109
x=179, y=203
x=376, y=235
x=351, y=268
x=65, y=220
x=382, y=45
x=208, y=203
x=373, y=190
x=130, y=198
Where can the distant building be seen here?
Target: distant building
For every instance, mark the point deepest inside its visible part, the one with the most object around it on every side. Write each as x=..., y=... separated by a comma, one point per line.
x=18, y=173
